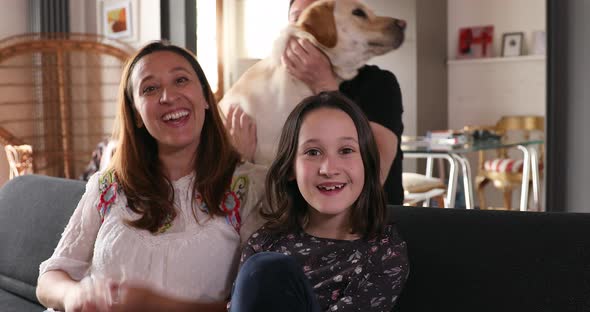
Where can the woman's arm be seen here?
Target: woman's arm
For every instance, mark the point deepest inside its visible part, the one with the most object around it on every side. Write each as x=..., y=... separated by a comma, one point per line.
x=57, y=290
x=60, y=275
x=53, y=287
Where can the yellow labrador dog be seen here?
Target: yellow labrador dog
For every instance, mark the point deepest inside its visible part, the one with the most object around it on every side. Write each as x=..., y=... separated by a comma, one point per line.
x=347, y=31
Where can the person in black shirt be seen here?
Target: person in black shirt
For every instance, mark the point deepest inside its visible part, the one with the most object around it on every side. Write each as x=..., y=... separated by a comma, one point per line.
x=375, y=91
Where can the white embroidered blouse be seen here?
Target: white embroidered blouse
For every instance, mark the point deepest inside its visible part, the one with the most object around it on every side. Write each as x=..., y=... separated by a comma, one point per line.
x=191, y=260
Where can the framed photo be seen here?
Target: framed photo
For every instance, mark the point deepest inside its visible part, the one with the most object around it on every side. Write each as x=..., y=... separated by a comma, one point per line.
x=475, y=42
x=512, y=44
x=117, y=19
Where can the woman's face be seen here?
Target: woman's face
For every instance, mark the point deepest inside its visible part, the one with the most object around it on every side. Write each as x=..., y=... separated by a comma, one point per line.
x=168, y=96
x=328, y=165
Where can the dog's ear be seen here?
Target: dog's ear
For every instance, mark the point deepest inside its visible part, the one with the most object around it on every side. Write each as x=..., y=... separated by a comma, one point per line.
x=319, y=21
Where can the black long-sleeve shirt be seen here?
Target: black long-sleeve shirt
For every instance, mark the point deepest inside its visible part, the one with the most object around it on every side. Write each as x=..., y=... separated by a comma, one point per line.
x=377, y=93
x=355, y=275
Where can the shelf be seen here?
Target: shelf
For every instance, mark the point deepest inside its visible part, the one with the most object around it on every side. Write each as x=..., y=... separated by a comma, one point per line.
x=524, y=58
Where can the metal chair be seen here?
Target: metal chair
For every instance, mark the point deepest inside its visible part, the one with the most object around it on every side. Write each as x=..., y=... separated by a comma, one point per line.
x=419, y=188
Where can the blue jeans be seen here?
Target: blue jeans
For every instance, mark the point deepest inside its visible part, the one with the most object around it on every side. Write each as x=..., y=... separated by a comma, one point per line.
x=270, y=281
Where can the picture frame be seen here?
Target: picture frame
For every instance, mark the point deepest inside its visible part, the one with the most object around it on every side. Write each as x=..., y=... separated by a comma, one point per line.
x=512, y=44
x=118, y=19
x=475, y=42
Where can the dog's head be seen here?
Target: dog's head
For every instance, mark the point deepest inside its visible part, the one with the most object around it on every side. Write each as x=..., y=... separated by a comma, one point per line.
x=350, y=33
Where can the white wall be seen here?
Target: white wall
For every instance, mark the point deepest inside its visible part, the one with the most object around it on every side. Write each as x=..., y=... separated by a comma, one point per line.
x=402, y=62
x=13, y=21
x=505, y=15
x=481, y=92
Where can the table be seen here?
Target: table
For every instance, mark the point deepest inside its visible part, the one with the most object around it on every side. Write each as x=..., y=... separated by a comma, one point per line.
x=455, y=155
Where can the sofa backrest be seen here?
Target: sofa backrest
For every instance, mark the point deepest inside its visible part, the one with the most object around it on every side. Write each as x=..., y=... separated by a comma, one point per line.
x=482, y=260
x=34, y=211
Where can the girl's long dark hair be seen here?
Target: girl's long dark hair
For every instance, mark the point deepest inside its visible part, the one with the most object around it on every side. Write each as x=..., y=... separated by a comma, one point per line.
x=137, y=167
x=288, y=210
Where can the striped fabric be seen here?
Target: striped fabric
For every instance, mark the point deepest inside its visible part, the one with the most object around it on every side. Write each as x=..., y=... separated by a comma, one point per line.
x=503, y=165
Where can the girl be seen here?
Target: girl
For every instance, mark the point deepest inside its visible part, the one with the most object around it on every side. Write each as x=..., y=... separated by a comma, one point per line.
x=332, y=249
x=164, y=224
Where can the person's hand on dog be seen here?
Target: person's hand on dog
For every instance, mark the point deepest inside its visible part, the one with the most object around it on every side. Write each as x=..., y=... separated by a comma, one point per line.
x=242, y=130
x=307, y=63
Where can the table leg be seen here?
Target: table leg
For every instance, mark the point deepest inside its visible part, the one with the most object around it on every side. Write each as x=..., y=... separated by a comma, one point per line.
x=467, y=183
x=536, y=178
x=526, y=167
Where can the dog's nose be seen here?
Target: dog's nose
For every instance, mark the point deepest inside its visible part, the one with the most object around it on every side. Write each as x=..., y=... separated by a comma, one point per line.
x=401, y=24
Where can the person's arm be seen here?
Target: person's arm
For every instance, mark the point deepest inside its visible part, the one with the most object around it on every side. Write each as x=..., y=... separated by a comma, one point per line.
x=57, y=290
x=379, y=282
x=378, y=93
x=387, y=144
x=310, y=65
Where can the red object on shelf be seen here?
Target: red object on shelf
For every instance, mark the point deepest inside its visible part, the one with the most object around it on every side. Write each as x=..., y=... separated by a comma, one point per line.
x=475, y=42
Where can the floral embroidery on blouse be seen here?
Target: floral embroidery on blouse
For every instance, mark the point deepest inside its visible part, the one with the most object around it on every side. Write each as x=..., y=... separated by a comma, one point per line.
x=231, y=202
x=108, y=188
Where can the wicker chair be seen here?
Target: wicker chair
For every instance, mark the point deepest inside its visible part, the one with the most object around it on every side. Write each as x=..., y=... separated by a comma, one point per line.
x=59, y=94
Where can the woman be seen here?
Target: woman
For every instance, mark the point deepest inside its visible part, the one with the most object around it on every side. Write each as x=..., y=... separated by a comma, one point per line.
x=161, y=228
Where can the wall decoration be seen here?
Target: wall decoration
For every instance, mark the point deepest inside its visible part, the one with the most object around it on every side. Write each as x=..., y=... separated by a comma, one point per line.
x=475, y=42
x=117, y=19
x=512, y=44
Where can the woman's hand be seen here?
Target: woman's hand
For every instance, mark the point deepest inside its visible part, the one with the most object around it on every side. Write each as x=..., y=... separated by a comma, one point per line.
x=307, y=63
x=90, y=295
x=242, y=129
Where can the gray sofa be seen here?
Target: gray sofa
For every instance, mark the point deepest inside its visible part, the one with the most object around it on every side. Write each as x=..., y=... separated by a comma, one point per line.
x=460, y=260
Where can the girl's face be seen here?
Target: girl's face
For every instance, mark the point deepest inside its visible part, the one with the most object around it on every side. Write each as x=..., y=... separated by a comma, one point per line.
x=168, y=96
x=328, y=166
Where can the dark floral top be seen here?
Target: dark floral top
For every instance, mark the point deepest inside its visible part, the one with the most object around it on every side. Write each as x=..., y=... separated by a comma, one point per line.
x=356, y=275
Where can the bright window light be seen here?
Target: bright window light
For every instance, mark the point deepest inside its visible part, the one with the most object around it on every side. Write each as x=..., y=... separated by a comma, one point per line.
x=263, y=21
x=207, y=40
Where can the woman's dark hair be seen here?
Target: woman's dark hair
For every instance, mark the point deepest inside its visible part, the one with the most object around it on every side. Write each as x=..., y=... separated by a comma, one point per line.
x=288, y=209
x=137, y=167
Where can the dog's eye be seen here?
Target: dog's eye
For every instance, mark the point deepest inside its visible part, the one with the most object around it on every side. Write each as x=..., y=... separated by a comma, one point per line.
x=359, y=13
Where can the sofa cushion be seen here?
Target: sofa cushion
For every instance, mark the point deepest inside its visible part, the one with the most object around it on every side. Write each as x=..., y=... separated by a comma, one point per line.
x=12, y=303
x=485, y=260
x=34, y=211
